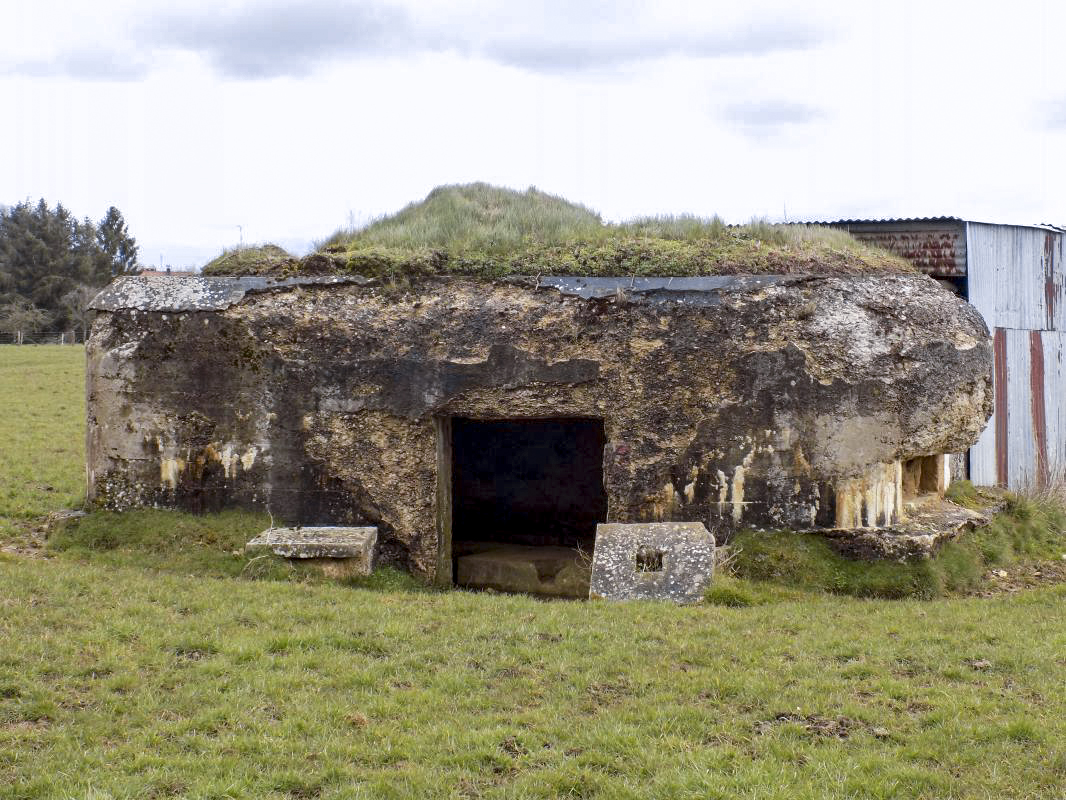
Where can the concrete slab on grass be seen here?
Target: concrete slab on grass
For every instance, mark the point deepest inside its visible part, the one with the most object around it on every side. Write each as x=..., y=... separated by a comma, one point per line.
x=356, y=545
x=652, y=561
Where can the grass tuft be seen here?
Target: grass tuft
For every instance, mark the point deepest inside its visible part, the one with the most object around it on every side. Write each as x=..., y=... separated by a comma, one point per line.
x=488, y=231
x=963, y=493
x=1027, y=530
x=211, y=545
x=249, y=260
x=731, y=591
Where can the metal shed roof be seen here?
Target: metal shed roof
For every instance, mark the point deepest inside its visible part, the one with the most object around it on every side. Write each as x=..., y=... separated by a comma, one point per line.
x=925, y=220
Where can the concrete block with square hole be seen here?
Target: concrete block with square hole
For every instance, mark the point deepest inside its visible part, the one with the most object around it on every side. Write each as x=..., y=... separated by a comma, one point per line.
x=335, y=551
x=652, y=561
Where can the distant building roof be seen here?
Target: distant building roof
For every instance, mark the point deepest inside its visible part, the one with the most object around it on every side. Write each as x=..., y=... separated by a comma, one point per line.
x=180, y=273
x=931, y=221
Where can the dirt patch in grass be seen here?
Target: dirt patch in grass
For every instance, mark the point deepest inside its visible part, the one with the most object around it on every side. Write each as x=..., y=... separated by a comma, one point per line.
x=1018, y=577
x=814, y=724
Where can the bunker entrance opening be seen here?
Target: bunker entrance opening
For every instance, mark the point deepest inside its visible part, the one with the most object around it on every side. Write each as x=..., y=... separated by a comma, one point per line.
x=526, y=496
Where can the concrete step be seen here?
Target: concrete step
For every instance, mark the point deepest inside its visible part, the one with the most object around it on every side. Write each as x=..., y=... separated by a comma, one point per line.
x=337, y=551
x=552, y=571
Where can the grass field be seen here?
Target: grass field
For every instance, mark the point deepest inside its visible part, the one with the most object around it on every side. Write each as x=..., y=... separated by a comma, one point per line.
x=42, y=432
x=126, y=671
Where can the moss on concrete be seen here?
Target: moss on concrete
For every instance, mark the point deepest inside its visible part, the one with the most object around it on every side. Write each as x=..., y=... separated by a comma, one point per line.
x=254, y=260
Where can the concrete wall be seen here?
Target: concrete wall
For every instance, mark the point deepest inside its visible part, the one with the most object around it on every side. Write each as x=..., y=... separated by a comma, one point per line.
x=778, y=401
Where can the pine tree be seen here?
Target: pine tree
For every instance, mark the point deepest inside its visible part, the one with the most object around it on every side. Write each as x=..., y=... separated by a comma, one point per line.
x=118, y=247
x=47, y=254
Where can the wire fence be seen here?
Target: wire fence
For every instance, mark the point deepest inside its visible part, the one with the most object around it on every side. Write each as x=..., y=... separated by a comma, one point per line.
x=75, y=336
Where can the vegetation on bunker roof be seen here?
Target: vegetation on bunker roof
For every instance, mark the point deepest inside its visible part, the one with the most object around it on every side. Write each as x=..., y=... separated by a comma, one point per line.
x=487, y=231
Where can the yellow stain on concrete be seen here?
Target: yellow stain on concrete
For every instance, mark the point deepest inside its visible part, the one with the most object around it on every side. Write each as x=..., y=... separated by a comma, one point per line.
x=228, y=455
x=170, y=470
x=641, y=347
x=690, y=487
x=737, y=486
x=873, y=500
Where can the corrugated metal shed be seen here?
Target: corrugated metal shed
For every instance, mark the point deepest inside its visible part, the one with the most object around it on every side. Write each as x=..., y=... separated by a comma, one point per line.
x=936, y=245
x=1015, y=275
x=1025, y=441
x=1017, y=282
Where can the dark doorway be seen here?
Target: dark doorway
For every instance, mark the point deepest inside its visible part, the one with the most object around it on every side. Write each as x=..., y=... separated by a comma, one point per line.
x=530, y=481
x=526, y=489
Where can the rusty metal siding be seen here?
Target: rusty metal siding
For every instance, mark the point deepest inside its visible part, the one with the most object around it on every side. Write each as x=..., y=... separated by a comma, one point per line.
x=1016, y=275
x=937, y=247
x=1024, y=444
x=1054, y=343
x=1016, y=279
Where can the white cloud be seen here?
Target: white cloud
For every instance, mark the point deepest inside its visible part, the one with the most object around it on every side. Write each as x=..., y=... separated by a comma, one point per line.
x=284, y=122
x=294, y=38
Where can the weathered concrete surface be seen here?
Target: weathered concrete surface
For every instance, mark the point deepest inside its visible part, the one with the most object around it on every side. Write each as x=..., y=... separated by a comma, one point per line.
x=652, y=561
x=774, y=403
x=358, y=544
x=545, y=570
x=927, y=524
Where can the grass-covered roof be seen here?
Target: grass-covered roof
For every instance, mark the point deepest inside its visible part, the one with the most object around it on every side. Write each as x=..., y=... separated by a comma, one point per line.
x=482, y=230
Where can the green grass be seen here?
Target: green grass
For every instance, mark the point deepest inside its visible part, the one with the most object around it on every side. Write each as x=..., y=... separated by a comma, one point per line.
x=145, y=660
x=42, y=432
x=964, y=493
x=120, y=683
x=207, y=545
x=487, y=231
x=1027, y=530
x=249, y=260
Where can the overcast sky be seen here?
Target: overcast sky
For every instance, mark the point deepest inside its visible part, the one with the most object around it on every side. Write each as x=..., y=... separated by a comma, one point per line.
x=291, y=119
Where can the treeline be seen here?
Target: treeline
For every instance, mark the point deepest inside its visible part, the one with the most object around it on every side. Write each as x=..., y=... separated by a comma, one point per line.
x=51, y=265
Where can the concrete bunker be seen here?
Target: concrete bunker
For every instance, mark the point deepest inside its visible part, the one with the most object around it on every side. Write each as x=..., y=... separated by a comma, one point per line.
x=770, y=401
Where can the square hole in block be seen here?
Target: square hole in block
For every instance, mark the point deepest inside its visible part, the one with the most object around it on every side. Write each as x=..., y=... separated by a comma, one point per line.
x=649, y=559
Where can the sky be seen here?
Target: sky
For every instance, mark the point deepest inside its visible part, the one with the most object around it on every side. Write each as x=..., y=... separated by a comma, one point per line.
x=209, y=124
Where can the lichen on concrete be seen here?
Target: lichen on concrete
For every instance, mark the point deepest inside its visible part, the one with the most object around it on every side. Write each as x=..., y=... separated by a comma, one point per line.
x=652, y=561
